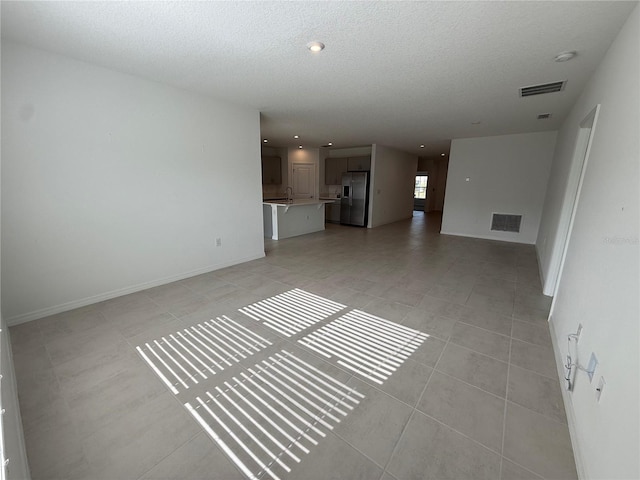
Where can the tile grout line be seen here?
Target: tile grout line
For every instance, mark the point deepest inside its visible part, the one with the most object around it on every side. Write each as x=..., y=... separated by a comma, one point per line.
x=477, y=352
x=141, y=476
x=506, y=396
x=414, y=410
x=422, y=393
x=66, y=402
x=523, y=467
x=468, y=384
x=462, y=434
x=494, y=332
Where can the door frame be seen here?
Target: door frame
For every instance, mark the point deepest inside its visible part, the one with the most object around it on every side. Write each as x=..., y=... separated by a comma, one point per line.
x=584, y=140
x=423, y=201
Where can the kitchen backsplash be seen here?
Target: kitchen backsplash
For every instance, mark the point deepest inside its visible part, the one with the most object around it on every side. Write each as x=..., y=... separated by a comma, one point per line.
x=330, y=190
x=272, y=191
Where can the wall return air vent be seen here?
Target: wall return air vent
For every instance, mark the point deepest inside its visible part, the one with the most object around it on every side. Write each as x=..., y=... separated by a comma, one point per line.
x=501, y=222
x=542, y=89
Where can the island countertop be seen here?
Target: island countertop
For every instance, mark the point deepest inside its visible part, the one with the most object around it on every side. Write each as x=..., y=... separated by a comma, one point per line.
x=299, y=201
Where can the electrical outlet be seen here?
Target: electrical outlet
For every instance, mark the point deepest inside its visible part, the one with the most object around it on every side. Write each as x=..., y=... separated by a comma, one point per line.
x=218, y=242
x=599, y=388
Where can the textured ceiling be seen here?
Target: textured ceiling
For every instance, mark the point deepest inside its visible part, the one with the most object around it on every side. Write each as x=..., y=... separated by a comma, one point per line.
x=395, y=73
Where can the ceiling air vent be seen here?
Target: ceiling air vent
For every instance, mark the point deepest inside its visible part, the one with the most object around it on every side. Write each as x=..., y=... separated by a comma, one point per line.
x=544, y=116
x=543, y=88
x=501, y=222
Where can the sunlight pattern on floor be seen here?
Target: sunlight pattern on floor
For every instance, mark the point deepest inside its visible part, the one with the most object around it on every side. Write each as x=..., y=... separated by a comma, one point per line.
x=293, y=311
x=195, y=353
x=272, y=414
x=368, y=345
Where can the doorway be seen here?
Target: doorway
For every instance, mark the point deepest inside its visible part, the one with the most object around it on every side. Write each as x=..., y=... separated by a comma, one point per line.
x=420, y=191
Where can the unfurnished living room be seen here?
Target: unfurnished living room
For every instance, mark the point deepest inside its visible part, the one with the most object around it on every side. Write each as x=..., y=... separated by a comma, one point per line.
x=320, y=240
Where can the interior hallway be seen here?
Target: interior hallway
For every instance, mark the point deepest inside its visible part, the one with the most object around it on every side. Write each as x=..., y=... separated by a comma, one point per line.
x=478, y=398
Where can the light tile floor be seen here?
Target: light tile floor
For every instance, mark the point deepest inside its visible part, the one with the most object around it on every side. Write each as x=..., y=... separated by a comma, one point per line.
x=479, y=399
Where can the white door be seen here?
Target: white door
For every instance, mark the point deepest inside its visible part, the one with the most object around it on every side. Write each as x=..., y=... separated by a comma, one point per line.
x=304, y=180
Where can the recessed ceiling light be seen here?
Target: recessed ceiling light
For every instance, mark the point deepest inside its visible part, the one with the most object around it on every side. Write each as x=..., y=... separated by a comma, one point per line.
x=299, y=146
x=296, y=136
x=565, y=56
x=421, y=146
x=330, y=143
x=315, y=47
x=442, y=154
x=265, y=140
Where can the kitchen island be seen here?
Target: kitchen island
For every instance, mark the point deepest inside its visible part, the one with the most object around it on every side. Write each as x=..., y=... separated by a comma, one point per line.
x=283, y=219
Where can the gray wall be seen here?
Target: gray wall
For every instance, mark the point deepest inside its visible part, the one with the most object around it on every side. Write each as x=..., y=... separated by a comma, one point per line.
x=393, y=175
x=437, y=168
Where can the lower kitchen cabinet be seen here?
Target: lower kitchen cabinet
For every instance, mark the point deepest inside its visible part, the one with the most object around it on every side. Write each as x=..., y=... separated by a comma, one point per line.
x=332, y=212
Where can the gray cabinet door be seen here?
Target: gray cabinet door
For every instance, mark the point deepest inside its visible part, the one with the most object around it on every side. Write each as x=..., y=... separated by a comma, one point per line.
x=359, y=164
x=333, y=170
x=332, y=213
x=271, y=171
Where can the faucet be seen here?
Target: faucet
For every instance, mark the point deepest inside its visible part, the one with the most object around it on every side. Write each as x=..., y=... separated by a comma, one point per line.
x=289, y=193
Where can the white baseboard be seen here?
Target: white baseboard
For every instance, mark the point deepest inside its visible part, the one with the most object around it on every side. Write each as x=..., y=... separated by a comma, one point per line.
x=83, y=302
x=568, y=405
x=541, y=273
x=485, y=237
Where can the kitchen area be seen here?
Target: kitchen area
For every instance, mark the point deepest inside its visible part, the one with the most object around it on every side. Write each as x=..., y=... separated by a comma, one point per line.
x=304, y=189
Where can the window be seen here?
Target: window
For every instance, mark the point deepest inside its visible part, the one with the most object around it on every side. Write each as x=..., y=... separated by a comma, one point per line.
x=421, y=187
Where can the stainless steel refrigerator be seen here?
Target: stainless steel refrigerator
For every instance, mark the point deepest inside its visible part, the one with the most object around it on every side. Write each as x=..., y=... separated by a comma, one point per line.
x=354, y=205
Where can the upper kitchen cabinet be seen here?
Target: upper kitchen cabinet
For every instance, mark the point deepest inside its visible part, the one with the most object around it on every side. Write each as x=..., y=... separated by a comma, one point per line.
x=359, y=164
x=333, y=170
x=271, y=170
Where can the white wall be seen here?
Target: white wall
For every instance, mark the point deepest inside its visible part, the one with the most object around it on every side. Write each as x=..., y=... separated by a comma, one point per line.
x=112, y=183
x=11, y=434
x=507, y=174
x=393, y=176
x=599, y=283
